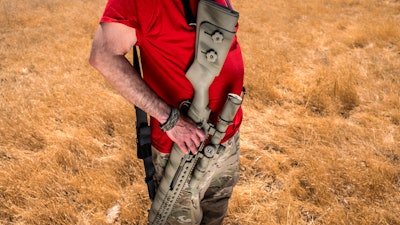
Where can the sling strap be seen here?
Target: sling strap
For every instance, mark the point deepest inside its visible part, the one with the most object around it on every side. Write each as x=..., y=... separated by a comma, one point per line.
x=143, y=138
x=190, y=19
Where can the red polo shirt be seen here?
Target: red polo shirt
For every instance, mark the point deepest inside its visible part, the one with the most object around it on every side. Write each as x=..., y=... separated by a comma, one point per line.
x=167, y=46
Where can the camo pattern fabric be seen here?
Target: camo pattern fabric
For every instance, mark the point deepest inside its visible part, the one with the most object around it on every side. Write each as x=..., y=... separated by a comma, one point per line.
x=208, y=203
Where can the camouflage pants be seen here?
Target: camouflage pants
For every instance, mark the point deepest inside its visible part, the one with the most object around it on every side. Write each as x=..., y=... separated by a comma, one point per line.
x=207, y=204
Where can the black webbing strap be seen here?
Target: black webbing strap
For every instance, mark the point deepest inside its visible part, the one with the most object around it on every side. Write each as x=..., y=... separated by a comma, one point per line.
x=143, y=139
x=190, y=19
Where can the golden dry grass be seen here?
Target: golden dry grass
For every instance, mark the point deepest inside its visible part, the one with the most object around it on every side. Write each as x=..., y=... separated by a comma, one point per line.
x=320, y=137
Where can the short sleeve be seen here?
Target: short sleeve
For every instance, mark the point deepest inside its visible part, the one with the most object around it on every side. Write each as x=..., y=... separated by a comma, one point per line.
x=120, y=11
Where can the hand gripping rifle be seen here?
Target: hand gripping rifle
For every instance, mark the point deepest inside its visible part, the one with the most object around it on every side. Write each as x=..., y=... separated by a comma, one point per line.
x=216, y=28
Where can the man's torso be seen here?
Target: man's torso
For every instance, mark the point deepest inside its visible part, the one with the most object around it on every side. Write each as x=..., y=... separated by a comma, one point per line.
x=167, y=45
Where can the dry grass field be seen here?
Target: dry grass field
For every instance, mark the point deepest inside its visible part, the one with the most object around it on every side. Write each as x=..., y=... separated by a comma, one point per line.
x=320, y=137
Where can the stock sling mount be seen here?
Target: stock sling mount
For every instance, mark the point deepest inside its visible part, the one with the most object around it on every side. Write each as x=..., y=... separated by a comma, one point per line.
x=215, y=30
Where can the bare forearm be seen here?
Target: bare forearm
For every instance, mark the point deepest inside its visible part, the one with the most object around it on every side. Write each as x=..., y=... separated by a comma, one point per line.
x=118, y=71
x=110, y=44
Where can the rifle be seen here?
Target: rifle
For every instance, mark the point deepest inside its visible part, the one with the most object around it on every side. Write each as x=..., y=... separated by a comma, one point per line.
x=216, y=28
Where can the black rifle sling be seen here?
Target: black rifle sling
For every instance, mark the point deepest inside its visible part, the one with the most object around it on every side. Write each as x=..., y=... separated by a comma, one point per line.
x=190, y=19
x=143, y=138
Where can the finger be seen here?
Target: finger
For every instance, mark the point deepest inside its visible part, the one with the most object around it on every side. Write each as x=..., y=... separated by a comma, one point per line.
x=183, y=148
x=196, y=140
x=192, y=147
x=201, y=135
